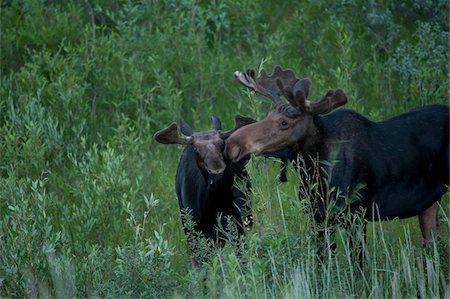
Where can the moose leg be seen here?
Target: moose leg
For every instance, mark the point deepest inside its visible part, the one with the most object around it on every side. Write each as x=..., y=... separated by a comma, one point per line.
x=192, y=244
x=230, y=229
x=429, y=222
x=324, y=232
x=194, y=262
x=355, y=224
x=357, y=243
x=241, y=209
x=326, y=245
x=200, y=249
x=325, y=235
x=199, y=243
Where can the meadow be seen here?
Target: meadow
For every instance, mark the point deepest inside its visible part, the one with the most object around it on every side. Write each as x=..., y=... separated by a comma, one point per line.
x=87, y=197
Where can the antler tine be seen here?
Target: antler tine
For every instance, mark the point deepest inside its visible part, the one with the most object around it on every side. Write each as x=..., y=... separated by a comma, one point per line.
x=332, y=100
x=269, y=86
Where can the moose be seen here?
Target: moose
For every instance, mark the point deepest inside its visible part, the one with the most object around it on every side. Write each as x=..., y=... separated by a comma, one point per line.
x=204, y=180
x=401, y=163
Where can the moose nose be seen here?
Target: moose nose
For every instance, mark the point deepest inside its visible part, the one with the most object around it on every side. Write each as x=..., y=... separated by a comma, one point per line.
x=214, y=163
x=232, y=151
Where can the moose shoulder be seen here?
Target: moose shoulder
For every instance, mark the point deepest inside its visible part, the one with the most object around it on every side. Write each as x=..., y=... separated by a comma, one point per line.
x=402, y=162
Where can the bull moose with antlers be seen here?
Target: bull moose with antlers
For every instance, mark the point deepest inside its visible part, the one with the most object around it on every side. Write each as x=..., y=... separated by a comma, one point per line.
x=402, y=162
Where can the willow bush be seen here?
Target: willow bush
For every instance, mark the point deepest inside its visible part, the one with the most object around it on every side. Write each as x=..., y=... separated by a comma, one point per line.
x=87, y=201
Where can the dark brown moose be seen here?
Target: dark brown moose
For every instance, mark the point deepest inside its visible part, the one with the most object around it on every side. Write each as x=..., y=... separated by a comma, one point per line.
x=204, y=182
x=402, y=163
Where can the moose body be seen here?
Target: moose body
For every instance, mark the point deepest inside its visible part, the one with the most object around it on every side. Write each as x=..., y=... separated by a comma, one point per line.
x=397, y=168
x=402, y=162
x=205, y=198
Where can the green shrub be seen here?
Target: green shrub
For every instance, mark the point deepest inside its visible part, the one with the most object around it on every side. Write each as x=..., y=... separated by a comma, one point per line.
x=87, y=201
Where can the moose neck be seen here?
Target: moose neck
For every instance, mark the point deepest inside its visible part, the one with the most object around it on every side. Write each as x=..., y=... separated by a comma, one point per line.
x=311, y=144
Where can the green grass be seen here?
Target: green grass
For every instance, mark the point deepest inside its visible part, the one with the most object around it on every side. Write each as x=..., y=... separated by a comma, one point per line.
x=87, y=197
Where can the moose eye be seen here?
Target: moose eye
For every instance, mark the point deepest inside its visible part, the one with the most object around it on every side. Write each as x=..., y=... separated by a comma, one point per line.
x=284, y=124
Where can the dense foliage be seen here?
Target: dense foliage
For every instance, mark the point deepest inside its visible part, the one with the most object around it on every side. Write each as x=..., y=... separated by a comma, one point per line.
x=87, y=200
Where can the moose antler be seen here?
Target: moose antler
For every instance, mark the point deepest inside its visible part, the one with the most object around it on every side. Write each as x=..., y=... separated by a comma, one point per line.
x=296, y=91
x=297, y=98
x=170, y=135
x=332, y=100
x=270, y=86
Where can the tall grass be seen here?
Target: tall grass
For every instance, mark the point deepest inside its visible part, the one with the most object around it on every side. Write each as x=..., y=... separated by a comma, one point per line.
x=279, y=260
x=87, y=201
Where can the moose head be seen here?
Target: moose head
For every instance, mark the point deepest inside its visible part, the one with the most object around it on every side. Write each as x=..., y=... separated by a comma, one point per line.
x=208, y=146
x=291, y=125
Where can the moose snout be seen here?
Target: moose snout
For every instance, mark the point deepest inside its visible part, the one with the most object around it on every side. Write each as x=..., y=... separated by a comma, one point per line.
x=232, y=151
x=214, y=163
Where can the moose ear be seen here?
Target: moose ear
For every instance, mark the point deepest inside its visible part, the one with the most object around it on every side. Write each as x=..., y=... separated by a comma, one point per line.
x=239, y=121
x=217, y=124
x=185, y=128
x=298, y=95
x=170, y=135
x=303, y=86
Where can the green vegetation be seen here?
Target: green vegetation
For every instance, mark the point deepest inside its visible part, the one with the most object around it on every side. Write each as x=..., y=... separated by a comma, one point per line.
x=87, y=197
